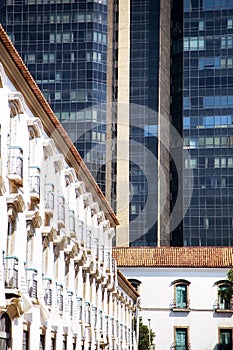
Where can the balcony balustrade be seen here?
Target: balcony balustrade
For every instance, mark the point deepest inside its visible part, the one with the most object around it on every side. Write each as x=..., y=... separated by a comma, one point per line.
x=94, y=316
x=15, y=165
x=60, y=298
x=32, y=282
x=87, y=313
x=34, y=183
x=11, y=272
x=47, y=292
x=79, y=308
x=61, y=212
x=180, y=305
x=49, y=199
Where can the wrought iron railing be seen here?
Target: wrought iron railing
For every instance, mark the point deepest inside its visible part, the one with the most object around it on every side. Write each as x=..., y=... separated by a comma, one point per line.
x=34, y=183
x=15, y=162
x=32, y=282
x=180, y=305
x=11, y=272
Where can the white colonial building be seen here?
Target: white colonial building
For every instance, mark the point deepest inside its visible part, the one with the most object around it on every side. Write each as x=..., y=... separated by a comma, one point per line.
x=183, y=297
x=59, y=286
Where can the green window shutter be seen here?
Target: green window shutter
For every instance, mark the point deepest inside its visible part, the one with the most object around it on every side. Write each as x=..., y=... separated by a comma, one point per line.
x=181, y=296
x=181, y=339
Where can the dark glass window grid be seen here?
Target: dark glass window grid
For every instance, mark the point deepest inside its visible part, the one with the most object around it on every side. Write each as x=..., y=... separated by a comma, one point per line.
x=207, y=126
x=65, y=48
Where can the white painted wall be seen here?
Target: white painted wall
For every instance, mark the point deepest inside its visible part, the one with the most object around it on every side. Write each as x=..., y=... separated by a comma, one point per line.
x=157, y=292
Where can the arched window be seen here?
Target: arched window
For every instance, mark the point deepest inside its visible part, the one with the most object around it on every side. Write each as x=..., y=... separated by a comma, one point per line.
x=224, y=299
x=135, y=283
x=181, y=300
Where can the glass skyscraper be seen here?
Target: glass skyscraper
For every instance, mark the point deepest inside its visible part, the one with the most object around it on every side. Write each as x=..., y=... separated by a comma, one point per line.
x=144, y=74
x=64, y=43
x=202, y=110
x=149, y=97
x=171, y=62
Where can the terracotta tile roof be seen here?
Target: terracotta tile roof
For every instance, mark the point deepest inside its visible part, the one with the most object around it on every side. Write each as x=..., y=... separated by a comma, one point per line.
x=9, y=56
x=212, y=257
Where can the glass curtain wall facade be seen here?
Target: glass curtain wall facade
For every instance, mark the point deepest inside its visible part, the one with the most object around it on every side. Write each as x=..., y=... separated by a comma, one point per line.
x=64, y=44
x=144, y=74
x=202, y=110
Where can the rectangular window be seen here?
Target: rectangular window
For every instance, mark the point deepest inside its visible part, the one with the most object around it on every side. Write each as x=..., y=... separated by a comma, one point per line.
x=57, y=95
x=42, y=342
x=217, y=162
x=25, y=340
x=193, y=163
x=53, y=341
x=209, y=141
x=52, y=38
x=225, y=339
x=31, y=58
x=201, y=25
x=181, y=296
x=230, y=162
x=181, y=335
x=223, y=162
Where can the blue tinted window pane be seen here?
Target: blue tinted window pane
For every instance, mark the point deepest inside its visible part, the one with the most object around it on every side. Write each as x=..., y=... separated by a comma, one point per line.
x=186, y=102
x=217, y=61
x=217, y=120
x=230, y=100
x=186, y=5
x=186, y=122
x=209, y=121
x=208, y=4
x=201, y=63
x=208, y=101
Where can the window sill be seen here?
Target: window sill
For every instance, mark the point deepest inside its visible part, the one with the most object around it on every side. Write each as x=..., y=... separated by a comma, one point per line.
x=224, y=310
x=180, y=309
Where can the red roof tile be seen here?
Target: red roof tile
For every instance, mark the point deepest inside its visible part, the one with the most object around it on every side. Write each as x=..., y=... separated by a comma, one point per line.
x=212, y=257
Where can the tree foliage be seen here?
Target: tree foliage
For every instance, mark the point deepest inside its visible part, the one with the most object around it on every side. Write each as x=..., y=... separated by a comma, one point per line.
x=143, y=343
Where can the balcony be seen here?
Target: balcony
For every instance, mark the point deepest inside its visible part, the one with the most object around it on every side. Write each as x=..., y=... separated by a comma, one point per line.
x=60, y=298
x=112, y=326
x=61, y=212
x=94, y=316
x=79, y=308
x=47, y=291
x=32, y=282
x=117, y=328
x=100, y=321
x=183, y=306
x=11, y=272
x=224, y=306
x=69, y=306
x=49, y=199
x=72, y=224
x=15, y=165
x=34, y=183
x=87, y=311
x=181, y=347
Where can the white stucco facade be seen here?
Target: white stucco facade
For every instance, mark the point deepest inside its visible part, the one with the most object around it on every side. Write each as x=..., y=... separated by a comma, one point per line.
x=181, y=294
x=201, y=318
x=59, y=286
